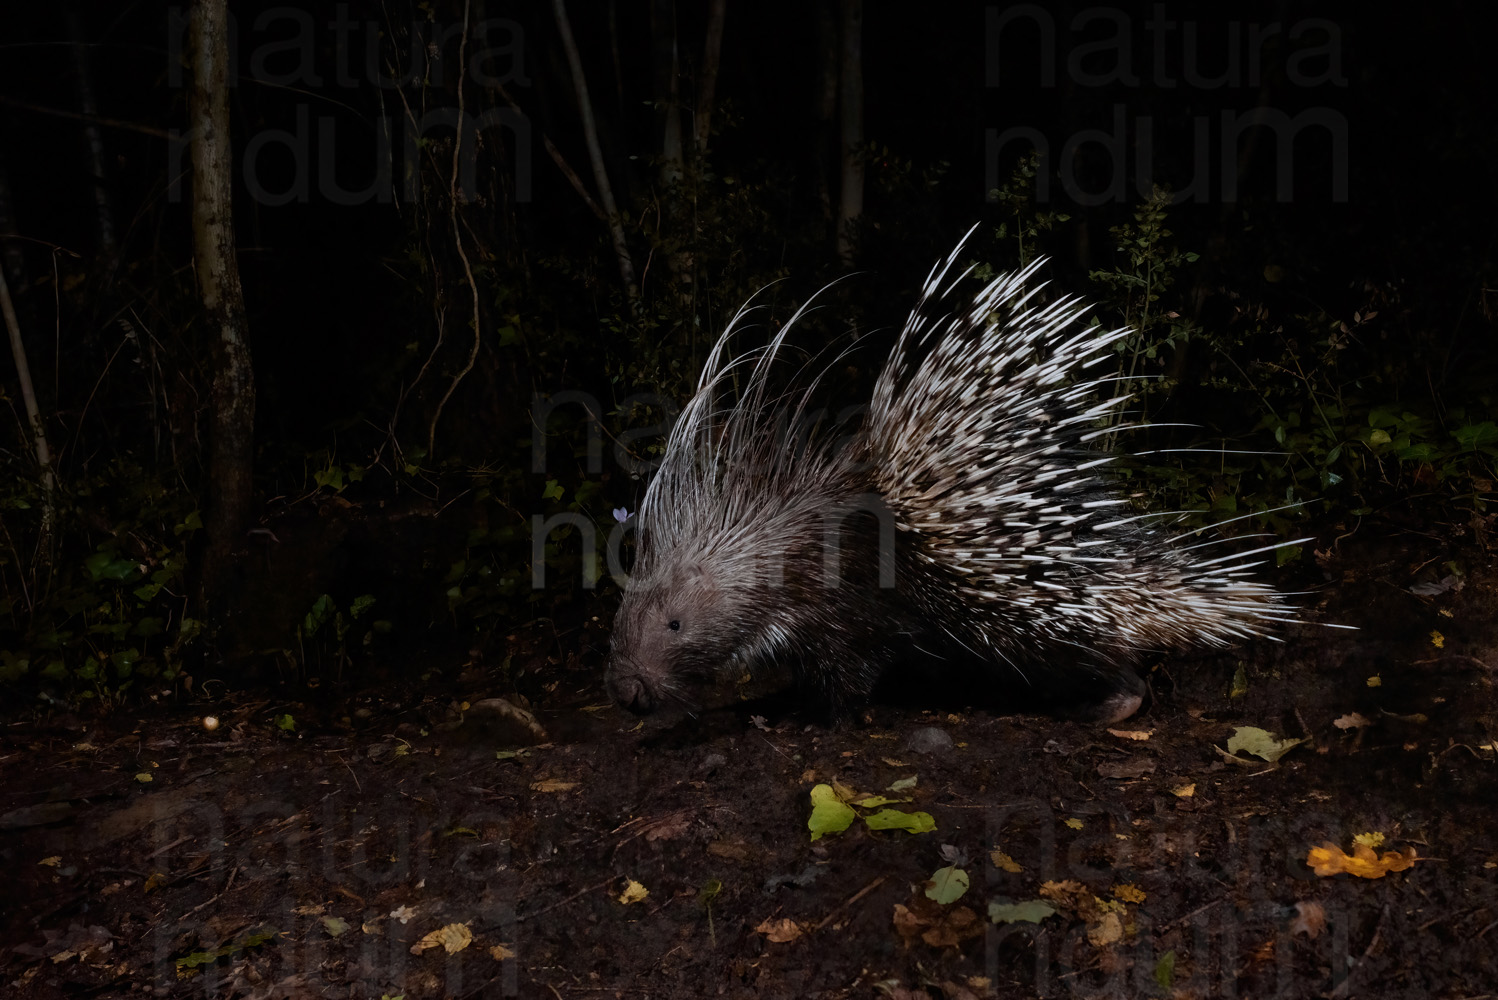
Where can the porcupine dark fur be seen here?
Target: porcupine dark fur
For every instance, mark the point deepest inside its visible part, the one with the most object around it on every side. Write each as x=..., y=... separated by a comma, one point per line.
x=968, y=518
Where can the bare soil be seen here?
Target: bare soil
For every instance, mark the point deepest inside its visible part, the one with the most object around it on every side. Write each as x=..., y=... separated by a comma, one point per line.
x=395, y=844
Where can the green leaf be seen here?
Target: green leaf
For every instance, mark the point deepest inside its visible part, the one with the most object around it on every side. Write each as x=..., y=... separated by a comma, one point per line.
x=896, y=819
x=106, y=566
x=1032, y=911
x=947, y=885
x=1260, y=743
x=1165, y=969
x=829, y=814
x=322, y=610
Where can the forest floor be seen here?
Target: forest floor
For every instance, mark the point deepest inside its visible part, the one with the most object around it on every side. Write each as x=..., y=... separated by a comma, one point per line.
x=400, y=845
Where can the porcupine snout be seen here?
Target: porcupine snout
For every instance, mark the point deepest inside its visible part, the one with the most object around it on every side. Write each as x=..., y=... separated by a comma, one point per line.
x=628, y=689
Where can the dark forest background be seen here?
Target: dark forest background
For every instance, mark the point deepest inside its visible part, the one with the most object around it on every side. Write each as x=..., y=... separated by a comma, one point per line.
x=440, y=362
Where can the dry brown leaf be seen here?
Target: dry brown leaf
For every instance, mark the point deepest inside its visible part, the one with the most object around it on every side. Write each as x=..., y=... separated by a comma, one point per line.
x=734, y=850
x=1134, y=767
x=1004, y=862
x=779, y=931
x=453, y=938
x=1106, y=930
x=669, y=827
x=1133, y=734
x=1310, y=919
x=1352, y=720
x=553, y=785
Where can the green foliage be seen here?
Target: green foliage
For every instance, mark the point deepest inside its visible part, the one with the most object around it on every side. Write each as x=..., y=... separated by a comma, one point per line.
x=328, y=634
x=99, y=600
x=1022, y=220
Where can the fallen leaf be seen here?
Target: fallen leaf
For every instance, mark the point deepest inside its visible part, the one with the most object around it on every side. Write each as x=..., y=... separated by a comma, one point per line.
x=453, y=938
x=1260, y=743
x=1185, y=791
x=1032, y=911
x=1108, y=929
x=779, y=931
x=1133, y=734
x=1134, y=767
x=669, y=827
x=1129, y=893
x=1004, y=862
x=897, y=819
x=500, y=952
x=633, y=892
x=1310, y=919
x=947, y=885
x=829, y=814
x=1165, y=969
x=553, y=785
x=1364, y=862
x=1351, y=720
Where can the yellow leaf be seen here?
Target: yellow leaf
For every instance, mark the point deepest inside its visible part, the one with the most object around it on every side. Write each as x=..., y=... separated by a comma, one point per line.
x=1363, y=862
x=553, y=785
x=1004, y=862
x=1129, y=893
x=452, y=939
x=1074, y=823
x=1437, y=640
x=634, y=892
x=1184, y=791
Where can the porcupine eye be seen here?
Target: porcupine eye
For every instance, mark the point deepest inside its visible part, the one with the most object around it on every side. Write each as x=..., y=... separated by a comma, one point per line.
x=675, y=626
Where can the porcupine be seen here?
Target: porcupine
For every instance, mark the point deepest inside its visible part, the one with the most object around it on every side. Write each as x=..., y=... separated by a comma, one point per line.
x=968, y=518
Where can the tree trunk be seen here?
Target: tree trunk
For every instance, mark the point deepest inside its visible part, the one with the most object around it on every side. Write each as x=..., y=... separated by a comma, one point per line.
x=707, y=86
x=851, y=93
x=595, y=155
x=33, y=412
x=825, y=109
x=231, y=444
x=93, y=140
x=666, y=70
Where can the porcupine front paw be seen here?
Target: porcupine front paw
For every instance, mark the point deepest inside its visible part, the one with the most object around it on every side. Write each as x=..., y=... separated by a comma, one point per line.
x=1115, y=696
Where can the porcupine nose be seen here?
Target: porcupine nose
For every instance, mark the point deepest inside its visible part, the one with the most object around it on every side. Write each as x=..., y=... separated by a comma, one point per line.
x=630, y=691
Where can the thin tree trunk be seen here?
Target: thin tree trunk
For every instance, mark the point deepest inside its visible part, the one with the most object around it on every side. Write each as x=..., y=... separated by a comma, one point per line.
x=825, y=107
x=231, y=447
x=666, y=70
x=33, y=412
x=93, y=139
x=851, y=92
x=595, y=155
x=707, y=88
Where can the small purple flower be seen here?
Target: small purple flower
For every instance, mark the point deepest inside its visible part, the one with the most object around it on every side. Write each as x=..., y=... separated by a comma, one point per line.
x=622, y=514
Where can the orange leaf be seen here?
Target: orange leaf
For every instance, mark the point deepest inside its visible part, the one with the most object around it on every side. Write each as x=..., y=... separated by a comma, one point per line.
x=1364, y=861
